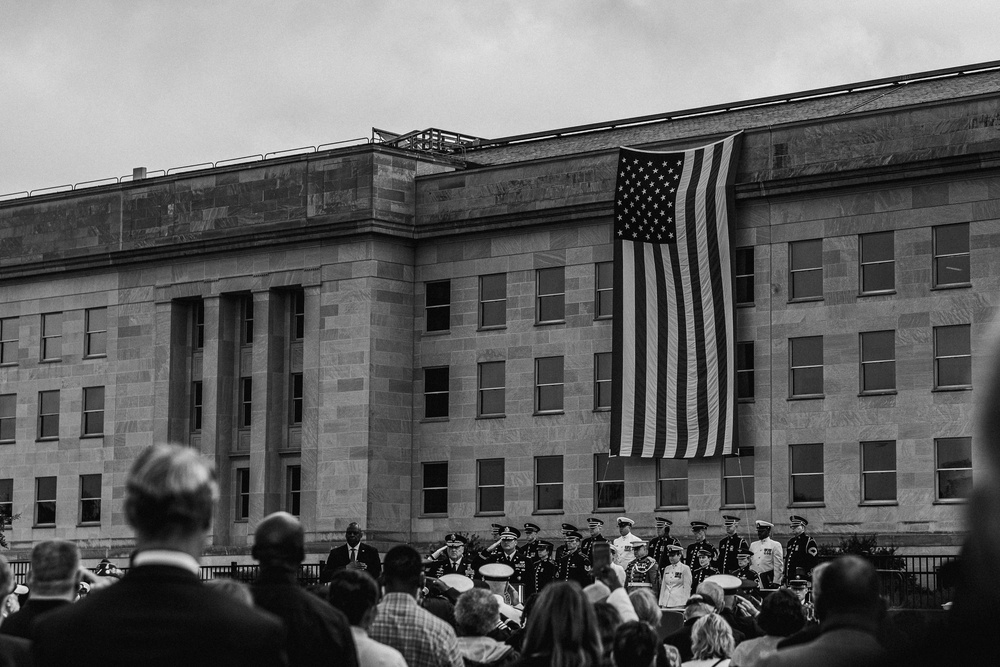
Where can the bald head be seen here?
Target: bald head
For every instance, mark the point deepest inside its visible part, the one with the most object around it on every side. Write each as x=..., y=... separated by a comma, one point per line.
x=279, y=540
x=849, y=584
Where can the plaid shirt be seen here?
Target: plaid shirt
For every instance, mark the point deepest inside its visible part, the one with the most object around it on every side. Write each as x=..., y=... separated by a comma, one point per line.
x=422, y=638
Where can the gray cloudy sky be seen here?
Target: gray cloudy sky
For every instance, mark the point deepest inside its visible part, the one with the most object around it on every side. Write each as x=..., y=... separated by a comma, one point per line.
x=92, y=89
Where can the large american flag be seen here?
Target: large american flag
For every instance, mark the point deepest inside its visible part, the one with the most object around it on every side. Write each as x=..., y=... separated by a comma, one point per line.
x=673, y=393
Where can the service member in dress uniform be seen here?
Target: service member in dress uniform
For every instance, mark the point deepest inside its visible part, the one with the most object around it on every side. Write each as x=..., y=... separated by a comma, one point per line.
x=730, y=545
x=705, y=555
x=454, y=561
x=658, y=545
x=676, y=578
x=767, y=557
x=587, y=547
x=801, y=551
x=574, y=566
x=528, y=549
x=544, y=571
x=508, y=554
x=497, y=577
x=566, y=529
x=699, y=529
x=624, y=543
x=642, y=572
x=750, y=577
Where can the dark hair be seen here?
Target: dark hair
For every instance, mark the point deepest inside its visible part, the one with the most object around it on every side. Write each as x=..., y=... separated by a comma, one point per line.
x=781, y=614
x=635, y=645
x=608, y=620
x=848, y=584
x=353, y=592
x=170, y=490
x=563, y=626
x=403, y=568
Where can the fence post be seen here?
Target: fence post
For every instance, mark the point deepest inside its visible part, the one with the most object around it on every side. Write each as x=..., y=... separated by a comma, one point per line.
x=232, y=570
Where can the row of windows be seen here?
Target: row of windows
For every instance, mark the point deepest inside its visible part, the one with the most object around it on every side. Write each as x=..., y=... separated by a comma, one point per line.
x=95, y=339
x=88, y=504
x=292, y=493
x=47, y=424
x=878, y=475
x=244, y=417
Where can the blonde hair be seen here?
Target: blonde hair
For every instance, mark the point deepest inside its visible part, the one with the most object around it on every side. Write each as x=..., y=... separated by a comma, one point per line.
x=711, y=638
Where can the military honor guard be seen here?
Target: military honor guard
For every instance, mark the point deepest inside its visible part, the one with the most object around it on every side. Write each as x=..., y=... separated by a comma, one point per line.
x=544, y=570
x=566, y=529
x=767, y=558
x=623, y=544
x=706, y=556
x=658, y=545
x=676, y=579
x=497, y=577
x=587, y=547
x=699, y=528
x=508, y=554
x=750, y=577
x=528, y=549
x=801, y=551
x=574, y=566
x=643, y=571
x=730, y=545
x=451, y=559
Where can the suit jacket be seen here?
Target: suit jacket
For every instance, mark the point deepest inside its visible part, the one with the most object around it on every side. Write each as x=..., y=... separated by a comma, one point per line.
x=340, y=556
x=158, y=616
x=15, y=651
x=841, y=642
x=19, y=624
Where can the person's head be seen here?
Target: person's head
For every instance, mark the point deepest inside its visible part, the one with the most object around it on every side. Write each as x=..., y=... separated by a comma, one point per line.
x=233, y=589
x=608, y=620
x=848, y=585
x=170, y=495
x=743, y=559
x=508, y=539
x=624, y=526
x=797, y=524
x=697, y=606
x=279, y=541
x=531, y=531
x=572, y=542
x=646, y=606
x=562, y=624
x=477, y=613
x=731, y=523
x=635, y=645
x=699, y=530
x=713, y=593
x=763, y=529
x=456, y=546
x=355, y=593
x=674, y=554
x=711, y=637
x=781, y=614
x=816, y=573
x=704, y=559
x=353, y=534
x=55, y=569
x=640, y=549
x=403, y=570
x=663, y=525
x=594, y=524
x=543, y=549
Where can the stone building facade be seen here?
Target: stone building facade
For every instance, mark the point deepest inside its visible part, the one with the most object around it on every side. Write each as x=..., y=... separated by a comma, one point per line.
x=419, y=340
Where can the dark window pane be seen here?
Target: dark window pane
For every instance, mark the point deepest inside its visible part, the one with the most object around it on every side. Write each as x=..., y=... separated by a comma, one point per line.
x=549, y=469
x=439, y=293
x=494, y=314
x=878, y=346
x=491, y=499
x=807, y=489
x=93, y=423
x=609, y=467
x=807, y=351
x=549, y=497
x=879, y=377
x=550, y=370
x=744, y=261
x=97, y=343
x=46, y=512
x=737, y=465
x=492, y=402
x=551, y=281
x=879, y=455
x=491, y=374
x=610, y=494
x=551, y=308
x=951, y=270
x=604, y=366
x=673, y=468
x=439, y=318
x=435, y=475
x=807, y=381
x=878, y=277
x=954, y=484
x=436, y=501
x=744, y=290
x=435, y=405
x=605, y=304
x=436, y=379
x=954, y=452
x=950, y=341
x=954, y=372
x=93, y=398
x=550, y=398
x=604, y=395
x=491, y=472
x=739, y=491
x=807, y=458
x=880, y=486
x=807, y=254
x=494, y=287
x=50, y=402
x=46, y=488
x=807, y=284
x=605, y=275
x=877, y=247
x=673, y=493
x=951, y=239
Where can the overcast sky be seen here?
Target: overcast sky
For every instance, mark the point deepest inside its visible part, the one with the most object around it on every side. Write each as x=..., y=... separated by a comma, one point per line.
x=90, y=90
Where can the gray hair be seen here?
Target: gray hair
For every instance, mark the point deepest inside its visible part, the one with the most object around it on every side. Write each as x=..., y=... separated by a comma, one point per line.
x=54, y=567
x=171, y=490
x=477, y=612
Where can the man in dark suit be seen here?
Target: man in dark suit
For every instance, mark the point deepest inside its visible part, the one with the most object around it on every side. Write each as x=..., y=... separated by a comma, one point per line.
x=355, y=555
x=161, y=614
x=54, y=579
x=15, y=651
x=318, y=634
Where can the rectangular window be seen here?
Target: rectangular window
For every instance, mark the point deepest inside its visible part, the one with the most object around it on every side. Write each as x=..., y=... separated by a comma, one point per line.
x=492, y=300
x=296, y=403
x=878, y=263
x=737, y=478
x=609, y=482
x=805, y=264
x=490, y=486
x=807, y=473
x=52, y=336
x=246, y=402
x=246, y=320
x=806, y=366
x=878, y=471
x=604, y=284
x=8, y=340
x=196, y=399
x=95, y=342
x=298, y=323
x=745, y=370
x=951, y=255
x=438, y=305
x=198, y=324
x=48, y=414
x=6, y=501
x=602, y=381
x=293, y=490
x=242, y=494
x=671, y=483
x=548, y=483
x=953, y=468
x=744, y=277
x=550, y=300
x=8, y=417
x=548, y=384
x=90, y=499
x=952, y=357
x=436, y=392
x=435, y=488
x=45, y=501
x=878, y=361
x=492, y=389
x=93, y=410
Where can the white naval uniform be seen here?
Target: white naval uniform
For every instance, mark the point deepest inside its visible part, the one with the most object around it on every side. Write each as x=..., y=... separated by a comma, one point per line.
x=768, y=556
x=676, y=586
x=623, y=545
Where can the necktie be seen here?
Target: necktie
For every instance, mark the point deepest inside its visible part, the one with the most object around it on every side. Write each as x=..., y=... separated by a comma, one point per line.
x=353, y=556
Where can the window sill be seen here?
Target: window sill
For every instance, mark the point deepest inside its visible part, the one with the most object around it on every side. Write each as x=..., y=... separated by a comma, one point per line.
x=548, y=322
x=956, y=388
x=548, y=413
x=878, y=503
x=884, y=292
x=672, y=508
x=880, y=392
x=490, y=514
x=807, y=397
x=951, y=501
x=54, y=360
x=608, y=510
x=604, y=318
x=8, y=442
x=89, y=524
x=807, y=504
x=948, y=286
x=288, y=452
x=746, y=400
x=603, y=409
x=544, y=512
x=737, y=507
x=239, y=455
x=8, y=364
x=42, y=525
x=498, y=416
x=436, y=515
x=492, y=327
x=431, y=420
x=48, y=439
x=95, y=356
x=806, y=299
x=241, y=520
x=91, y=436
x=442, y=332
x=746, y=304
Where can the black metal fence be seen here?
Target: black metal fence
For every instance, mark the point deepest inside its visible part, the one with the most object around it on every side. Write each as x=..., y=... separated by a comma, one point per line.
x=308, y=572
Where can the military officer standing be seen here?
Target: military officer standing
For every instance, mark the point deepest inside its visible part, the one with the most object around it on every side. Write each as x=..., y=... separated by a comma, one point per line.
x=801, y=552
x=747, y=573
x=705, y=555
x=658, y=545
x=509, y=555
x=574, y=566
x=624, y=543
x=767, y=558
x=587, y=547
x=455, y=561
x=676, y=578
x=566, y=528
x=730, y=545
x=544, y=571
x=528, y=549
x=643, y=571
x=699, y=529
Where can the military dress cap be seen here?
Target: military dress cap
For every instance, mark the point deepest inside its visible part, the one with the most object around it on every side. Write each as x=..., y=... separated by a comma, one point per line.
x=20, y=589
x=727, y=582
x=699, y=525
x=625, y=521
x=567, y=528
x=496, y=528
x=730, y=520
x=704, y=551
x=496, y=572
x=455, y=540
x=510, y=532
x=744, y=551
x=798, y=583
x=594, y=522
x=531, y=528
x=760, y=523
x=574, y=534
x=543, y=544
x=662, y=521
x=639, y=543
x=675, y=548
x=795, y=521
